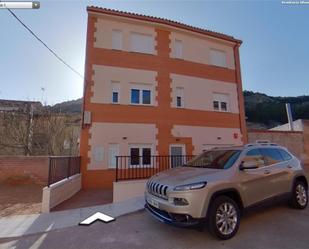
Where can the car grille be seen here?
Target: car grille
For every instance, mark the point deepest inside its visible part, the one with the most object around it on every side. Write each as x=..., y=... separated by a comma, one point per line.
x=157, y=189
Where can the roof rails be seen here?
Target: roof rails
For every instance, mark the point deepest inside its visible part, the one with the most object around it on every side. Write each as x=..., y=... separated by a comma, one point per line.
x=261, y=142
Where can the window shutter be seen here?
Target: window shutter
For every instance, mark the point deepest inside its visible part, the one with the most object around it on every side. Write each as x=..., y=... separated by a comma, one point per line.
x=117, y=39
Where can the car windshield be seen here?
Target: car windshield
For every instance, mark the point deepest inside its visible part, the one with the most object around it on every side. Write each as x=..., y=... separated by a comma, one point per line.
x=215, y=159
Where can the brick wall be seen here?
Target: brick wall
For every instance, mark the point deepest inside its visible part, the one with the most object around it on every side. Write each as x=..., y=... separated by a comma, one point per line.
x=24, y=166
x=293, y=140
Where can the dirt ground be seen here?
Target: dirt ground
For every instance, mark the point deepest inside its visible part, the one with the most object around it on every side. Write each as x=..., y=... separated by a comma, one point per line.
x=19, y=196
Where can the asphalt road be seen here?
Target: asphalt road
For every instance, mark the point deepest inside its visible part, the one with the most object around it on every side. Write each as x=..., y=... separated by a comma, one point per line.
x=271, y=227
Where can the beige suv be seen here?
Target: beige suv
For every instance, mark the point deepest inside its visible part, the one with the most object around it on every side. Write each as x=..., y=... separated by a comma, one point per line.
x=219, y=184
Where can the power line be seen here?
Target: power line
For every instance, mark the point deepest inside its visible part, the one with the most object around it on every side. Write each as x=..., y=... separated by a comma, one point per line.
x=45, y=45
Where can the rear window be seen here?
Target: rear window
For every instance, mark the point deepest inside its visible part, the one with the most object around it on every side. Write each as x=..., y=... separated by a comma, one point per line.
x=285, y=155
x=271, y=155
x=216, y=159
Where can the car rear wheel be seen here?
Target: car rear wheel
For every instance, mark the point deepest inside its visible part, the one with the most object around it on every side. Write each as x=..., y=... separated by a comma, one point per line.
x=299, y=197
x=223, y=218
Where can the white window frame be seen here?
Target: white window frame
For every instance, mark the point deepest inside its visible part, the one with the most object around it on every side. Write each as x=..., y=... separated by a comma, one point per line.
x=180, y=93
x=215, y=60
x=178, y=49
x=141, y=147
x=117, y=44
x=141, y=87
x=220, y=100
x=110, y=147
x=115, y=86
x=137, y=47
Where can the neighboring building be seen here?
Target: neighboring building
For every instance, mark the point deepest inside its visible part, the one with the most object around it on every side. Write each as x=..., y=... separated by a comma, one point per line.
x=297, y=126
x=156, y=87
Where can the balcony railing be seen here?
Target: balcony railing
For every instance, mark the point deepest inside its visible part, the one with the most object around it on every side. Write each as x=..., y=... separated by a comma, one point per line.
x=142, y=167
x=61, y=167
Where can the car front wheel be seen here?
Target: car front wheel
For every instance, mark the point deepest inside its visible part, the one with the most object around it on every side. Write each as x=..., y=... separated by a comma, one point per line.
x=223, y=218
x=299, y=197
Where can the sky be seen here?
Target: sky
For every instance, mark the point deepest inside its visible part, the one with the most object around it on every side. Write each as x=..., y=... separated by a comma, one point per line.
x=274, y=54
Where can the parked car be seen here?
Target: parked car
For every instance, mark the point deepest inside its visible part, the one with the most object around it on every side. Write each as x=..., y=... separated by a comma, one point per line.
x=219, y=184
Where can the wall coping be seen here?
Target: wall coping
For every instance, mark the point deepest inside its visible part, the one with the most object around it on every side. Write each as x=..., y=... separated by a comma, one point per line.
x=274, y=131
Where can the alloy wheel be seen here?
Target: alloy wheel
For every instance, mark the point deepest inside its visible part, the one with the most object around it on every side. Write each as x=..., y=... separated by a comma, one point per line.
x=226, y=218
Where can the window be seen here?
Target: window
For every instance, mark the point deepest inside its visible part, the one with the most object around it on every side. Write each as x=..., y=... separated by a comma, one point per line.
x=216, y=105
x=178, y=49
x=271, y=156
x=141, y=96
x=140, y=155
x=115, y=97
x=255, y=156
x=113, y=151
x=116, y=39
x=179, y=97
x=142, y=43
x=285, y=155
x=115, y=92
x=218, y=58
x=135, y=96
x=220, y=102
x=223, y=106
x=146, y=97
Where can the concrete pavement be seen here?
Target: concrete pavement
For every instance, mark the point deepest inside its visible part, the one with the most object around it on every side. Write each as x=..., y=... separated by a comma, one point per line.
x=275, y=227
x=20, y=225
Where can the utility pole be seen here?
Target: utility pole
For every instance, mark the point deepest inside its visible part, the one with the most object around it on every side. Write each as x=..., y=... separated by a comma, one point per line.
x=29, y=129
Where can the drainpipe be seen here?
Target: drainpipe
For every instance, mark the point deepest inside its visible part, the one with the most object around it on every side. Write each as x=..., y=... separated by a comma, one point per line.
x=241, y=105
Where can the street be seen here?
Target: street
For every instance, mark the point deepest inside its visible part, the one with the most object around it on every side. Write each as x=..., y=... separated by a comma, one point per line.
x=268, y=227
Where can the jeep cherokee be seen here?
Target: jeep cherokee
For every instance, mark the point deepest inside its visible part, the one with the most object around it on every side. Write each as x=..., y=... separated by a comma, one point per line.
x=219, y=184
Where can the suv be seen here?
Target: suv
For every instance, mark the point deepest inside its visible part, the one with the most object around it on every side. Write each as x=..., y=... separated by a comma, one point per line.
x=219, y=184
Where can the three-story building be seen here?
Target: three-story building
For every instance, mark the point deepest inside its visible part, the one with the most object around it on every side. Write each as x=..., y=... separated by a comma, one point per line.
x=155, y=87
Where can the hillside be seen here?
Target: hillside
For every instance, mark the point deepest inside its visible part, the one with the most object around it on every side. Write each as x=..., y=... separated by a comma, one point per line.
x=270, y=111
x=262, y=111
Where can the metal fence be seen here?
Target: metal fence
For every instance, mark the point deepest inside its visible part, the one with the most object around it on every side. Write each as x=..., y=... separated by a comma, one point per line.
x=142, y=167
x=62, y=167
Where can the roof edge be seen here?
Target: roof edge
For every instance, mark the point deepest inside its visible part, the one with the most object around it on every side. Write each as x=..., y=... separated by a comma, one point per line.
x=163, y=21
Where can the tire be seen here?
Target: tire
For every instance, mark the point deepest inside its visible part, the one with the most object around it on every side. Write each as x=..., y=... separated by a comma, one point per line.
x=223, y=230
x=299, y=198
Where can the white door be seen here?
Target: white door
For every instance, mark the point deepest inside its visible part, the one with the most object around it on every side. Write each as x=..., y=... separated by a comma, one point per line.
x=177, y=152
x=113, y=151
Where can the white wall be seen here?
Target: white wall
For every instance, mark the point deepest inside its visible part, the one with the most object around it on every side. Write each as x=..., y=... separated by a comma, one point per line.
x=59, y=192
x=125, y=190
x=124, y=134
x=207, y=137
x=198, y=92
x=127, y=78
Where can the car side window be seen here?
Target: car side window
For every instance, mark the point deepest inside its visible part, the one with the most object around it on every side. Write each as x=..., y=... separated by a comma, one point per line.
x=255, y=156
x=285, y=155
x=271, y=155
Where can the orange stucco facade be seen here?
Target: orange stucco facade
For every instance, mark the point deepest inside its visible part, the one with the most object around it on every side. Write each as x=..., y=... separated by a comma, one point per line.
x=162, y=115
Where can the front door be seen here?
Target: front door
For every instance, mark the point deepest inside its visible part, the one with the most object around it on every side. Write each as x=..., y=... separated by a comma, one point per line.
x=177, y=152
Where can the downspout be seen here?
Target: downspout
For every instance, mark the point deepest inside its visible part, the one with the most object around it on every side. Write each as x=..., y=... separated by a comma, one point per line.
x=241, y=106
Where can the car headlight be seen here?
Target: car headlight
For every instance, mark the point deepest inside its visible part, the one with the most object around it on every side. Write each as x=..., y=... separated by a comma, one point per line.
x=191, y=186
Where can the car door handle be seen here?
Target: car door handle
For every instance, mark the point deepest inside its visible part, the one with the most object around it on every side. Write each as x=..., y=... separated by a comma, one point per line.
x=289, y=166
x=266, y=171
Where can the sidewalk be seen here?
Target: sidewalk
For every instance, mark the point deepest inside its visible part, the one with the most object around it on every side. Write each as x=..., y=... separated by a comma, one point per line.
x=19, y=225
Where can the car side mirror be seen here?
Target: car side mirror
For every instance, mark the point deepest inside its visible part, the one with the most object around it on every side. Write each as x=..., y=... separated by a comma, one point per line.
x=248, y=165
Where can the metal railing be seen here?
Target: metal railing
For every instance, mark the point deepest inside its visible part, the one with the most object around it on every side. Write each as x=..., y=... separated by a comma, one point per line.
x=142, y=167
x=61, y=167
